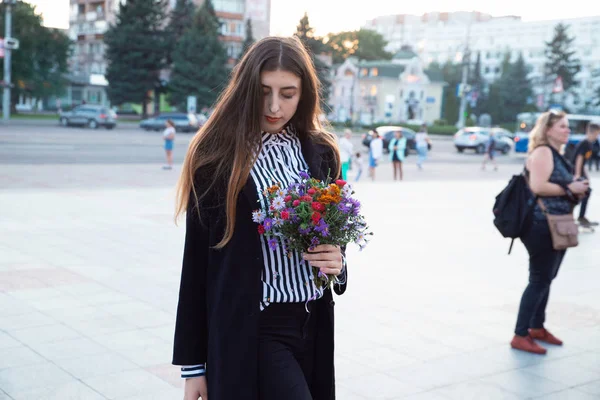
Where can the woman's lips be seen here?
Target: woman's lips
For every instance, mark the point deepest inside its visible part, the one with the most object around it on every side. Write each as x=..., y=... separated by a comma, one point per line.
x=272, y=120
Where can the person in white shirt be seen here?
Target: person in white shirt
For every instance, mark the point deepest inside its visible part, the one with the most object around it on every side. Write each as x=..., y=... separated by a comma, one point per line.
x=375, y=153
x=422, y=142
x=346, y=150
x=359, y=161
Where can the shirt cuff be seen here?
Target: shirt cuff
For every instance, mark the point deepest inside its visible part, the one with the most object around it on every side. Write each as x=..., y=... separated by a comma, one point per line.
x=341, y=278
x=193, y=371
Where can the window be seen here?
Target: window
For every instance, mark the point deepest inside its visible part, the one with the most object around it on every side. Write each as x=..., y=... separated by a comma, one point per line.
x=497, y=70
x=374, y=72
x=364, y=72
x=232, y=6
x=488, y=55
x=81, y=9
x=343, y=91
x=487, y=70
x=373, y=90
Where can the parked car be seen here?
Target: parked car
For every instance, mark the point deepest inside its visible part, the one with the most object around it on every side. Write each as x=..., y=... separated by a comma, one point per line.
x=183, y=122
x=387, y=134
x=476, y=138
x=89, y=115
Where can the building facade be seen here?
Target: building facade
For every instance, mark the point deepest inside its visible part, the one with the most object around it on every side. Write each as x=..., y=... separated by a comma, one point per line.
x=90, y=19
x=386, y=91
x=443, y=37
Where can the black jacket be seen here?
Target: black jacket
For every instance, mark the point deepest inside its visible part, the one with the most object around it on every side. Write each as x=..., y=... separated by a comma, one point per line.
x=217, y=315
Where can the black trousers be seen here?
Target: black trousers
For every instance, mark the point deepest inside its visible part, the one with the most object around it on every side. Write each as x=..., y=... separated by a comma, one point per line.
x=286, y=351
x=584, y=203
x=544, y=263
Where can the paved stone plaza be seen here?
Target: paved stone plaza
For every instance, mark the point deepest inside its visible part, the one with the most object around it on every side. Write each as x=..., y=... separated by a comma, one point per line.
x=89, y=273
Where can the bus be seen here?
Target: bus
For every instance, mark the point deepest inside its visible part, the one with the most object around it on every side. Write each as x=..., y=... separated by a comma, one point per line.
x=525, y=122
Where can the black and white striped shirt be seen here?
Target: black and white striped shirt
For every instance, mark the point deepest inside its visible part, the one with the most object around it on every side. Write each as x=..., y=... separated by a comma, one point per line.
x=285, y=279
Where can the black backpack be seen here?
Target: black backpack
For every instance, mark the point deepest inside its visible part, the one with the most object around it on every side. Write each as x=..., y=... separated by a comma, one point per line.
x=513, y=208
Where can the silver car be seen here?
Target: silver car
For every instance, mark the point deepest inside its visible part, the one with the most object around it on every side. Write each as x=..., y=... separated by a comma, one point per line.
x=183, y=122
x=476, y=138
x=92, y=116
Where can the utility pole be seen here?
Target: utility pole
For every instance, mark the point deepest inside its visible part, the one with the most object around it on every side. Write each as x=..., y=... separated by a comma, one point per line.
x=7, y=53
x=465, y=76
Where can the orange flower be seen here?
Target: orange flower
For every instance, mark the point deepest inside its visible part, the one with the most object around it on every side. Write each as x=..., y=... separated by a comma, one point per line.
x=273, y=189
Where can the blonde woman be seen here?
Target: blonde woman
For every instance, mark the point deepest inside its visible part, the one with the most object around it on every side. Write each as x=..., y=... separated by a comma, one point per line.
x=550, y=178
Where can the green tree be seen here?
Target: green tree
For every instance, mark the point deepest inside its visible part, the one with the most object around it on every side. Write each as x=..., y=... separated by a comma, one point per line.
x=515, y=89
x=199, y=62
x=249, y=37
x=315, y=46
x=560, y=58
x=452, y=75
x=371, y=46
x=40, y=64
x=364, y=44
x=136, y=51
x=181, y=19
x=342, y=45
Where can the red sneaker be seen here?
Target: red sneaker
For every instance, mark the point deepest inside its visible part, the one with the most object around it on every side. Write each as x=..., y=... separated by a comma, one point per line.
x=544, y=336
x=526, y=343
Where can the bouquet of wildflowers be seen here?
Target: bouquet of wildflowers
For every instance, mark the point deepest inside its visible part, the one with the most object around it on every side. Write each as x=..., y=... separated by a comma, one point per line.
x=309, y=213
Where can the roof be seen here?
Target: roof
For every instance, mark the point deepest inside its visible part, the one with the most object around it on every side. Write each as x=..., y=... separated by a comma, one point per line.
x=405, y=54
x=434, y=76
x=385, y=69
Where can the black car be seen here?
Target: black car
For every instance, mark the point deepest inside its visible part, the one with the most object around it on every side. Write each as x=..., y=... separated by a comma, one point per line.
x=183, y=122
x=387, y=134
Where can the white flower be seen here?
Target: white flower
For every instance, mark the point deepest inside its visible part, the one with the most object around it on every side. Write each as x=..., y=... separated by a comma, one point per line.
x=360, y=239
x=278, y=222
x=347, y=190
x=281, y=193
x=258, y=216
x=278, y=203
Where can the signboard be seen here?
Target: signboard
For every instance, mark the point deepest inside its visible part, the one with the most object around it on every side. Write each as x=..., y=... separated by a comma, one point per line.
x=430, y=100
x=191, y=104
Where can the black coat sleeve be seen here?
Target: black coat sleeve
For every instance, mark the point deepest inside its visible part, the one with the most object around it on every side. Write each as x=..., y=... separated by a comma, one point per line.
x=332, y=165
x=191, y=327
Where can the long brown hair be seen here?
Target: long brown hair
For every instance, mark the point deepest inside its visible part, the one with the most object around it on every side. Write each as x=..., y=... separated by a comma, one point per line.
x=539, y=134
x=228, y=142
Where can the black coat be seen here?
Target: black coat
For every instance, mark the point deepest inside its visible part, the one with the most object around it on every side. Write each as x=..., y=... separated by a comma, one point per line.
x=217, y=315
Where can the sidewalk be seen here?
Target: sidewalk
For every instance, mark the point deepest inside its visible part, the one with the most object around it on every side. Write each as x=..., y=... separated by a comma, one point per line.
x=89, y=276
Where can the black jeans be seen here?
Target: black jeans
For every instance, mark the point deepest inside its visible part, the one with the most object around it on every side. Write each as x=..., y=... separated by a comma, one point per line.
x=544, y=263
x=286, y=351
x=584, y=203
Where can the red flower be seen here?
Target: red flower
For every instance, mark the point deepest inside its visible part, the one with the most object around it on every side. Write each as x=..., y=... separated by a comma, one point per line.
x=318, y=206
x=285, y=215
x=287, y=198
x=340, y=183
x=296, y=203
x=311, y=191
x=261, y=229
x=316, y=217
x=307, y=198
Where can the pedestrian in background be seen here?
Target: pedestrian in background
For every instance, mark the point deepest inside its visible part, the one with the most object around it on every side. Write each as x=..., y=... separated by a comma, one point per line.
x=169, y=138
x=346, y=151
x=359, y=162
x=551, y=179
x=583, y=153
x=397, y=148
x=375, y=153
x=422, y=142
x=490, y=152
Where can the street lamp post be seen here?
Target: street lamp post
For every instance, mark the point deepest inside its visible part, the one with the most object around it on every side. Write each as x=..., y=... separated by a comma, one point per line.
x=465, y=76
x=7, y=53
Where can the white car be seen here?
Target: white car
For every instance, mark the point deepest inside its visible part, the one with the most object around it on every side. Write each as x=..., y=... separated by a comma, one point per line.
x=476, y=138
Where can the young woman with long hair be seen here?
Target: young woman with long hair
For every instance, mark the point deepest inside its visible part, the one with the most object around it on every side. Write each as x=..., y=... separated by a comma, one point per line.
x=242, y=329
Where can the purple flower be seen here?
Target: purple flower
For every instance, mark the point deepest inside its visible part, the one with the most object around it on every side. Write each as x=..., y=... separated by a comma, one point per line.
x=268, y=224
x=314, y=242
x=304, y=231
x=355, y=206
x=344, y=206
x=322, y=228
x=304, y=175
x=273, y=243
